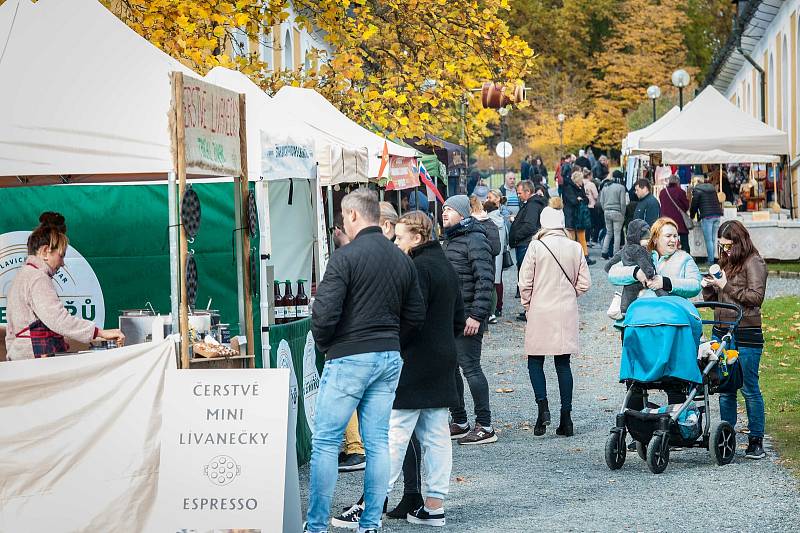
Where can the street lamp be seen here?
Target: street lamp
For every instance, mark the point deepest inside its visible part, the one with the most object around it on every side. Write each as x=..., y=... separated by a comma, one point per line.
x=653, y=93
x=561, y=118
x=503, y=112
x=680, y=79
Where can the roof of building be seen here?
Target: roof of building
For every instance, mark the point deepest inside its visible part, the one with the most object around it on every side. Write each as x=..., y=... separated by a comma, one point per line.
x=752, y=25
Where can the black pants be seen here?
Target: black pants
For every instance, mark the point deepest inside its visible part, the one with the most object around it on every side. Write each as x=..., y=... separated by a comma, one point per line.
x=685, y=242
x=412, y=477
x=469, y=361
x=598, y=223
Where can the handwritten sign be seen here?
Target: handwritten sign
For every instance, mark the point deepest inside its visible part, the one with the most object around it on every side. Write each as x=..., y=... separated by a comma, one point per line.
x=223, y=450
x=211, y=123
x=403, y=173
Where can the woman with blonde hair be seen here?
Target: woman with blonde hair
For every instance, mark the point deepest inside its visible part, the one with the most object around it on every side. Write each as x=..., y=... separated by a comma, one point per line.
x=553, y=275
x=388, y=220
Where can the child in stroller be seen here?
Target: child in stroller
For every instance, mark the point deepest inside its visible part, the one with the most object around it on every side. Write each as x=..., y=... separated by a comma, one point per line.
x=662, y=350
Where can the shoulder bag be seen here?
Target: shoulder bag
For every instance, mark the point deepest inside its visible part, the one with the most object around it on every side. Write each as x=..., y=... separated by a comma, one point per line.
x=561, y=267
x=687, y=220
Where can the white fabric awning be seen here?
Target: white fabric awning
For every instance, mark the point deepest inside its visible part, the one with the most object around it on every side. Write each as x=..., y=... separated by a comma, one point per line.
x=84, y=98
x=713, y=123
x=678, y=156
x=313, y=109
x=631, y=141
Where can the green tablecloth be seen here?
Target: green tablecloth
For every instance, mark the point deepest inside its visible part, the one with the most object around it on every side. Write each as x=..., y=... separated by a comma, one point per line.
x=292, y=346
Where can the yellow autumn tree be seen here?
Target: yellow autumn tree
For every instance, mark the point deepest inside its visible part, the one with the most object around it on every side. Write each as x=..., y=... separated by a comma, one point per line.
x=645, y=50
x=404, y=67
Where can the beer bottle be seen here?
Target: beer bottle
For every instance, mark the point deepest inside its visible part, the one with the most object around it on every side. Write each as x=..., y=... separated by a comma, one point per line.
x=290, y=313
x=301, y=300
x=280, y=310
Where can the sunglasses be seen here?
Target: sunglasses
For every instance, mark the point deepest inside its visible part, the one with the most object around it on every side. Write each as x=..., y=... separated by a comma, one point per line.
x=726, y=247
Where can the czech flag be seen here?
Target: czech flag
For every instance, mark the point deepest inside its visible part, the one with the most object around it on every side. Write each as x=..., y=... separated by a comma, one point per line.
x=429, y=183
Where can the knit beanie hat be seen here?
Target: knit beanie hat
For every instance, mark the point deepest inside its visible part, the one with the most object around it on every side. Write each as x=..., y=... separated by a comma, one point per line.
x=552, y=218
x=460, y=204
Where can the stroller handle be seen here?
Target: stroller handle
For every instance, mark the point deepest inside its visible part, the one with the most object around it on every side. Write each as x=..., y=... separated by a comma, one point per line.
x=723, y=305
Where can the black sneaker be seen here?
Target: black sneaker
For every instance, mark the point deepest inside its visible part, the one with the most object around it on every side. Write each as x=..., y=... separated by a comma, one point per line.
x=755, y=448
x=457, y=431
x=478, y=435
x=409, y=503
x=590, y=261
x=423, y=517
x=498, y=313
x=349, y=518
x=351, y=462
x=522, y=317
x=492, y=319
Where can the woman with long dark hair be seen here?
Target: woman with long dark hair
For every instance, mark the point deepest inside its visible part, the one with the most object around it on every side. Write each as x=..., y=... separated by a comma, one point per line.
x=742, y=281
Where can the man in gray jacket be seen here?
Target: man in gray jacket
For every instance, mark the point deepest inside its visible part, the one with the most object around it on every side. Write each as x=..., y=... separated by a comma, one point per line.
x=613, y=199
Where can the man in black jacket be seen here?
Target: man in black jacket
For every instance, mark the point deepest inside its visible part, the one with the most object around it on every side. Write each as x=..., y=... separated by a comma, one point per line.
x=706, y=206
x=369, y=289
x=467, y=249
x=648, y=208
x=526, y=223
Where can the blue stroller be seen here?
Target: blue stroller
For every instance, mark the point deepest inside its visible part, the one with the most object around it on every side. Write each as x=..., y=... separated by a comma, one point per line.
x=660, y=352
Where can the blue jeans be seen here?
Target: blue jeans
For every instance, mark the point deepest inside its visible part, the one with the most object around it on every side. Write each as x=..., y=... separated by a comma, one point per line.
x=749, y=358
x=366, y=382
x=520, y=252
x=710, y=226
x=563, y=373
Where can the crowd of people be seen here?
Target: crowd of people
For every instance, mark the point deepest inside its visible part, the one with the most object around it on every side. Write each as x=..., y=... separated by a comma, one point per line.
x=401, y=318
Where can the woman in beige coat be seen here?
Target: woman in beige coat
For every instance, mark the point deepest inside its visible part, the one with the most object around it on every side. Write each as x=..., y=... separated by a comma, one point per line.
x=553, y=275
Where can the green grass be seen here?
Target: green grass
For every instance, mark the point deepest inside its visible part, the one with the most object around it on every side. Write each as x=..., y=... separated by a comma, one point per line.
x=780, y=375
x=784, y=267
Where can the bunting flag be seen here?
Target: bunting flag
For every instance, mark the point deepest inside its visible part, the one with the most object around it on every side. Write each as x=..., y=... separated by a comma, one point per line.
x=384, y=159
x=429, y=183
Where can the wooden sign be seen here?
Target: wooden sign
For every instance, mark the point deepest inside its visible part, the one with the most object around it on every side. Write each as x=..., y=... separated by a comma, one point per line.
x=211, y=128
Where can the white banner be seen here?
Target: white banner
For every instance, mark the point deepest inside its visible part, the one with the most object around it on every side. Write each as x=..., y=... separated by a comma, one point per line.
x=285, y=158
x=223, y=453
x=79, y=439
x=211, y=122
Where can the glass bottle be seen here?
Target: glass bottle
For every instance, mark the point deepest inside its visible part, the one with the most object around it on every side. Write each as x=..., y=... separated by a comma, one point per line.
x=290, y=313
x=280, y=309
x=301, y=300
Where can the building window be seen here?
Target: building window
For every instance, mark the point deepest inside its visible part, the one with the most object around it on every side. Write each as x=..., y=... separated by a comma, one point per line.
x=773, y=93
x=240, y=42
x=785, y=94
x=288, y=55
x=266, y=49
x=748, y=99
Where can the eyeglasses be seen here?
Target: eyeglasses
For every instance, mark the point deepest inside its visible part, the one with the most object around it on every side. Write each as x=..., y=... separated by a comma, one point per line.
x=726, y=247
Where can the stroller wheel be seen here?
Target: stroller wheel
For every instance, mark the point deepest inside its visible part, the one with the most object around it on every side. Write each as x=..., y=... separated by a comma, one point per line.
x=615, y=450
x=722, y=442
x=658, y=452
x=641, y=449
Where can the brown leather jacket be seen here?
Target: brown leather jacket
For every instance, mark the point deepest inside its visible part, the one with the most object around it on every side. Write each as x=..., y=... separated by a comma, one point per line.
x=746, y=290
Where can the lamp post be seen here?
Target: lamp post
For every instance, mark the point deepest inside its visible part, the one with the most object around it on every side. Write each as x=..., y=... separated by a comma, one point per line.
x=561, y=118
x=503, y=112
x=653, y=93
x=680, y=79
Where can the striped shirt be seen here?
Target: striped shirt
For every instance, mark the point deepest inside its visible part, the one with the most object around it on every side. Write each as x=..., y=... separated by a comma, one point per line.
x=512, y=200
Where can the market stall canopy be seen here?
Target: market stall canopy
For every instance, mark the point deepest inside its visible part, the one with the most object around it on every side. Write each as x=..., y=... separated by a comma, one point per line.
x=679, y=156
x=631, y=141
x=713, y=123
x=313, y=109
x=85, y=99
x=454, y=156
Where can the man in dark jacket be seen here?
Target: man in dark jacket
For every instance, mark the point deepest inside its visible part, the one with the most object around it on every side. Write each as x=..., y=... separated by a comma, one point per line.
x=706, y=206
x=369, y=289
x=648, y=208
x=467, y=249
x=526, y=223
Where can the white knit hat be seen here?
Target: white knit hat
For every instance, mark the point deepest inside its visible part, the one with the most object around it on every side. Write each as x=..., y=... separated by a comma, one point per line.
x=552, y=218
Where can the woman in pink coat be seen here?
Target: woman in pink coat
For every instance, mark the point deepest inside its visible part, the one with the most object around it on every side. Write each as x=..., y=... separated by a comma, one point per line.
x=553, y=275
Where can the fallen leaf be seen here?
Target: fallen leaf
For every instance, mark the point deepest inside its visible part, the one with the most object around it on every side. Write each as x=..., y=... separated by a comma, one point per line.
x=460, y=479
x=602, y=398
x=784, y=364
x=777, y=344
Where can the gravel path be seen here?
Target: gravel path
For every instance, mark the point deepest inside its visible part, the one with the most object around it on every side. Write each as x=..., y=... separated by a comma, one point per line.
x=549, y=483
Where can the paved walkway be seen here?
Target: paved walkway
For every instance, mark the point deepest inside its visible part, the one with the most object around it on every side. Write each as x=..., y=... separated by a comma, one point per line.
x=526, y=483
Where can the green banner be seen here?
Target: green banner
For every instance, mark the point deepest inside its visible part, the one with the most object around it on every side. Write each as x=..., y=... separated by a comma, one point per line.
x=122, y=232
x=292, y=346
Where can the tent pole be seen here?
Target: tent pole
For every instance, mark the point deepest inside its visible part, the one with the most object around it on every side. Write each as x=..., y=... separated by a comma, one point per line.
x=267, y=278
x=399, y=203
x=242, y=185
x=180, y=135
x=174, y=284
x=330, y=216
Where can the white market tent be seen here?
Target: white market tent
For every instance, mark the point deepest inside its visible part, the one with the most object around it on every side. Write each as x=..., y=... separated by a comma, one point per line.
x=679, y=156
x=313, y=109
x=631, y=141
x=713, y=123
x=84, y=98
